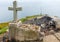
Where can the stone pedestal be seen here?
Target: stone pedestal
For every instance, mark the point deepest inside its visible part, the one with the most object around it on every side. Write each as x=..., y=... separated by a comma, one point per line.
x=12, y=30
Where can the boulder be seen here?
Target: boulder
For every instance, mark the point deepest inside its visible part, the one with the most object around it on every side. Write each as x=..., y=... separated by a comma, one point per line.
x=27, y=32
x=57, y=20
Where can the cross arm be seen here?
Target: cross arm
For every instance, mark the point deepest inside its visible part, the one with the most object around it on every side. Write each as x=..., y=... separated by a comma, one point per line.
x=19, y=8
x=10, y=8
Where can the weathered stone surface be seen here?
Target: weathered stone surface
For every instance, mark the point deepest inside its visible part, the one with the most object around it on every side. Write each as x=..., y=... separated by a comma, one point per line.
x=57, y=20
x=27, y=32
x=50, y=38
x=57, y=36
x=12, y=30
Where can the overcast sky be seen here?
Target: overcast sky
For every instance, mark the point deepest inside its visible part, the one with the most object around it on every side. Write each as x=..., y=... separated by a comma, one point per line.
x=29, y=7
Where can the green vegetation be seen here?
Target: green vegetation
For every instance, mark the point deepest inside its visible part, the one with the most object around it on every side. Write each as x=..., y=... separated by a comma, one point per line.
x=3, y=30
x=2, y=25
x=23, y=19
x=30, y=17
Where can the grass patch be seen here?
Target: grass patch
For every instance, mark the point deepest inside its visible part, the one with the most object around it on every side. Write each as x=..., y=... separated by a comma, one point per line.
x=2, y=25
x=3, y=30
x=29, y=17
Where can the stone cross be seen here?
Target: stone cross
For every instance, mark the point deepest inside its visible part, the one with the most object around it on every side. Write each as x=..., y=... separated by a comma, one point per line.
x=13, y=26
x=15, y=9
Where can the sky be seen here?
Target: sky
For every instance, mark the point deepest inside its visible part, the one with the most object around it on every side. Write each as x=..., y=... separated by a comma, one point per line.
x=29, y=7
